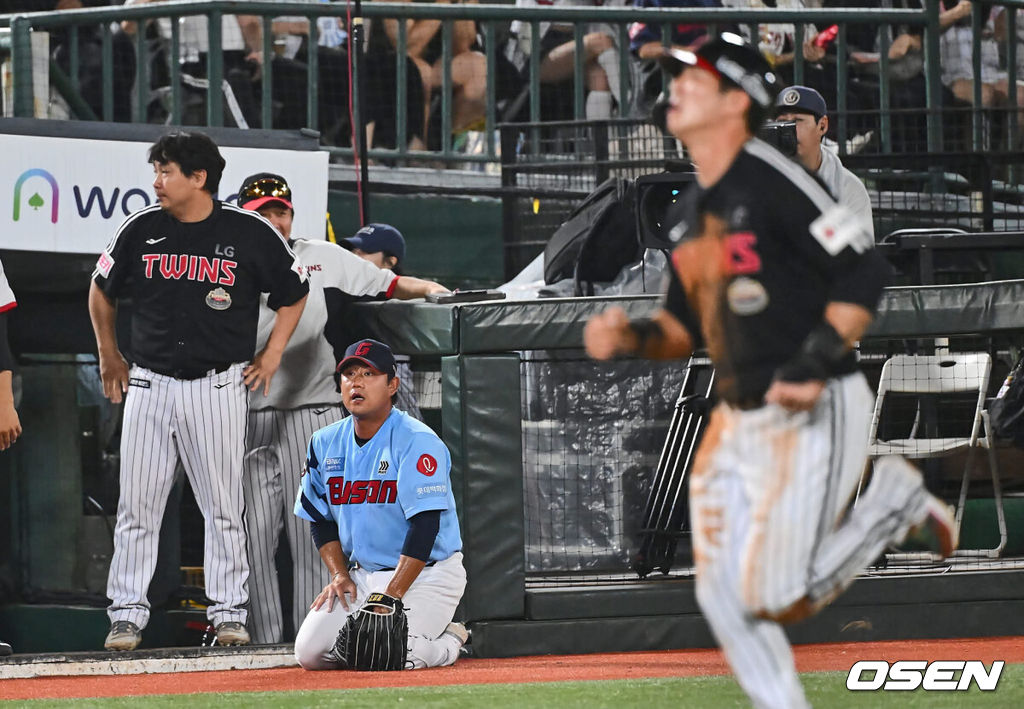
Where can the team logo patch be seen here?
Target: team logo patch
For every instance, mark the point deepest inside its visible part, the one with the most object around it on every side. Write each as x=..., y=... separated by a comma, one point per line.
x=791, y=97
x=746, y=296
x=332, y=464
x=838, y=228
x=104, y=263
x=383, y=469
x=218, y=299
x=427, y=464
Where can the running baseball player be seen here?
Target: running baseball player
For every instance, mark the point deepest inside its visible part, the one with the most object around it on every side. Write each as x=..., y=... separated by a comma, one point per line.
x=778, y=283
x=194, y=268
x=303, y=400
x=10, y=424
x=377, y=493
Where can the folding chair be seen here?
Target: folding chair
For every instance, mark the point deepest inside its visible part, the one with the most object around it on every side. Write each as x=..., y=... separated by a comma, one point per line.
x=940, y=374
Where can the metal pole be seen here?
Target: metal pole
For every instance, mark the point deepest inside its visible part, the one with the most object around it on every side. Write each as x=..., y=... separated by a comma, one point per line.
x=884, y=88
x=313, y=77
x=363, y=186
x=215, y=70
x=21, y=51
x=267, y=78
x=933, y=75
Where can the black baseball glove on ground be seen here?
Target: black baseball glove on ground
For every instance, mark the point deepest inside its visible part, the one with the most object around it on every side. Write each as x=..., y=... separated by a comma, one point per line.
x=375, y=637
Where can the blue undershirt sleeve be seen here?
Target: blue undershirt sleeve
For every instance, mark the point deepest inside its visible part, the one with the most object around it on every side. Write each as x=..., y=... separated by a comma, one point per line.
x=419, y=540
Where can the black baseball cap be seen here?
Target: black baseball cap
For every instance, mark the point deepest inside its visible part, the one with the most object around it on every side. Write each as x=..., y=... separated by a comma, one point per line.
x=377, y=237
x=731, y=58
x=370, y=352
x=801, y=99
x=263, y=188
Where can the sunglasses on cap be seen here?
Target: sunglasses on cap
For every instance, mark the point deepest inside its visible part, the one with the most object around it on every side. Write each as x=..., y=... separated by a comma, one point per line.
x=265, y=187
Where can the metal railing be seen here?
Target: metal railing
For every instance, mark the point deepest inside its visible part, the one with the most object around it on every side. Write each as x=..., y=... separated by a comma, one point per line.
x=492, y=23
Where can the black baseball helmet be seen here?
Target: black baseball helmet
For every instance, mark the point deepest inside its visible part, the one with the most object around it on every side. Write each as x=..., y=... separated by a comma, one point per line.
x=734, y=60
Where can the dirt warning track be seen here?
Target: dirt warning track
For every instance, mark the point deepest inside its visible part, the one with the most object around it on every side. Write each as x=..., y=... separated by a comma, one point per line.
x=549, y=668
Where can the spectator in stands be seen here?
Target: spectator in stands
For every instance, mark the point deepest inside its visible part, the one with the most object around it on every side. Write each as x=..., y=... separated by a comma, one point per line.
x=1001, y=30
x=907, y=85
x=805, y=107
x=90, y=55
x=956, y=45
x=645, y=45
x=290, y=74
x=468, y=68
x=776, y=40
x=558, y=57
x=381, y=84
x=242, y=45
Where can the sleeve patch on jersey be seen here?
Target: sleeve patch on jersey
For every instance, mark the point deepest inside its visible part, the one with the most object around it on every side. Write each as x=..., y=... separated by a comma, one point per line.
x=838, y=228
x=298, y=269
x=104, y=263
x=427, y=464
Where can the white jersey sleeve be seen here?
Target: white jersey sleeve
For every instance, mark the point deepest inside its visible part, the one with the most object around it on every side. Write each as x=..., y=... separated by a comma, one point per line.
x=7, y=300
x=350, y=274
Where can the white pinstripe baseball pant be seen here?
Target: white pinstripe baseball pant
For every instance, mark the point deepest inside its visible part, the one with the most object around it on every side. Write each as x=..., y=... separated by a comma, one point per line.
x=203, y=422
x=275, y=448
x=767, y=497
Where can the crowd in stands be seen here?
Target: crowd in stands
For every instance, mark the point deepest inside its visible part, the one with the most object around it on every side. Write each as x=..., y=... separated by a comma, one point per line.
x=243, y=57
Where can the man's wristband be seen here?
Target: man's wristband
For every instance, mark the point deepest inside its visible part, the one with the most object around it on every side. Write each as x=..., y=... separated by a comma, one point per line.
x=821, y=356
x=647, y=332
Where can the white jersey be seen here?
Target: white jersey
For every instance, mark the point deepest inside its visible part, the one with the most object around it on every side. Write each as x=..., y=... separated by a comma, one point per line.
x=7, y=300
x=306, y=374
x=847, y=188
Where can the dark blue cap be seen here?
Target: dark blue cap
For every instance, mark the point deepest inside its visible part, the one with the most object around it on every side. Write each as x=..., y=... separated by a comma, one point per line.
x=801, y=99
x=370, y=352
x=377, y=237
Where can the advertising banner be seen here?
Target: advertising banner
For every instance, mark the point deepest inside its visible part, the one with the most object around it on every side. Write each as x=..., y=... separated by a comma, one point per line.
x=70, y=195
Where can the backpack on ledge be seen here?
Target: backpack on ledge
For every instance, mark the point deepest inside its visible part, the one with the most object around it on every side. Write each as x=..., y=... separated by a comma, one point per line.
x=597, y=240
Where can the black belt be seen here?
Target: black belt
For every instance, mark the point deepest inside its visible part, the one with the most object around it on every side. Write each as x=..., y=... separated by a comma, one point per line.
x=189, y=374
x=355, y=565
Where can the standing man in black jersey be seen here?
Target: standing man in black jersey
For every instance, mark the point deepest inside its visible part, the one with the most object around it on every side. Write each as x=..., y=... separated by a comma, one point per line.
x=778, y=287
x=194, y=268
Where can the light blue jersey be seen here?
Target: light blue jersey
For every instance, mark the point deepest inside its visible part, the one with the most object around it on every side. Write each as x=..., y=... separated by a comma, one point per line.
x=372, y=491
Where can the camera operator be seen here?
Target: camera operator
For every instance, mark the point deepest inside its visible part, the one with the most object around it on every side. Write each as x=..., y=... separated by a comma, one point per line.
x=805, y=107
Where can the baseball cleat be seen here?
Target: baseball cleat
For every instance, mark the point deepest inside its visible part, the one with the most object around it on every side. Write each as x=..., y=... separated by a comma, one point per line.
x=232, y=633
x=124, y=635
x=5, y=649
x=938, y=528
x=458, y=630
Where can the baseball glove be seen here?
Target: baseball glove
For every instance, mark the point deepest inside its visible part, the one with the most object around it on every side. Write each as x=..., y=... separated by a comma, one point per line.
x=375, y=637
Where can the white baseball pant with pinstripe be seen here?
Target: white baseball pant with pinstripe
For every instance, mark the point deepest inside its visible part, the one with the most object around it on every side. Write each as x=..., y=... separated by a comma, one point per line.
x=767, y=496
x=275, y=447
x=202, y=421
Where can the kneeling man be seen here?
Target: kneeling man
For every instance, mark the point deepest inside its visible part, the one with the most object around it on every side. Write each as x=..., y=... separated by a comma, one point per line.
x=377, y=493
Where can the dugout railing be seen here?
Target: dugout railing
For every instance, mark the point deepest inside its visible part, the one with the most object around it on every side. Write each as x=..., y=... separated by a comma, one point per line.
x=897, y=124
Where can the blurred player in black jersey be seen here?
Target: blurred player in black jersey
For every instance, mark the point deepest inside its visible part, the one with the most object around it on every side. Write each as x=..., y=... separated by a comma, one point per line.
x=777, y=282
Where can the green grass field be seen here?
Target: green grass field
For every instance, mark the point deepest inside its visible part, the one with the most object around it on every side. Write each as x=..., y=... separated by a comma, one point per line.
x=826, y=690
